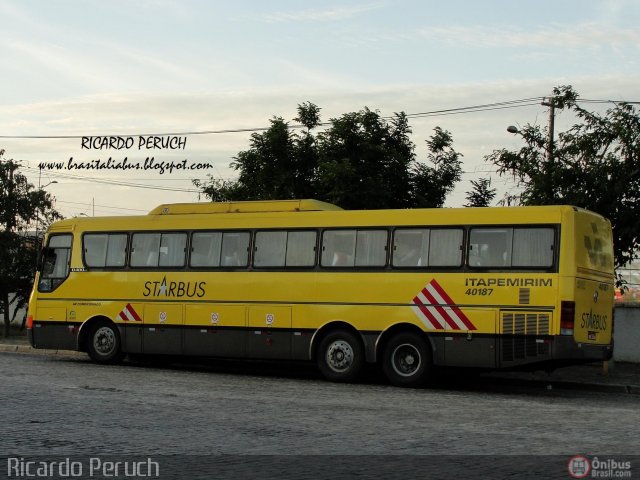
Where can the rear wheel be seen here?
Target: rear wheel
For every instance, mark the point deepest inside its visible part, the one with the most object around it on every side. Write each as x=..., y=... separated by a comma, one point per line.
x=407, y=360
x=103, y=343
x=340, y=356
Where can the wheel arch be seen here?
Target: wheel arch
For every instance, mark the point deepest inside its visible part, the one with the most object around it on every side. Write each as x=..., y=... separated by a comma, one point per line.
x=330, y=327
x=85, y=329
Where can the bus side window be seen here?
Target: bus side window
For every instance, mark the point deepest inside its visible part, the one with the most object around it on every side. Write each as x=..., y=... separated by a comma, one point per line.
x=116, y=250
x=205, y=249
x=235, y=249
x=490, y=247
x=338, y=248
x=410, y=247
x=301, y=248
x=105, y=250
x=172, y=250
x=145, y=248
x=283, y=248
x=533, y=247
x=445, y=247
x=270, y=249
x=371, y=248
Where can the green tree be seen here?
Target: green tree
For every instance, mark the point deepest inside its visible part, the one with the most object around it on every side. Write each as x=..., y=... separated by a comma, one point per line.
x=279, y=164
x=432, y=183
x=595, y=164
x=365, y=161
x=360, y=161
x=266, y=169
x=21, y=207
x=482, y=194
x=306, y=152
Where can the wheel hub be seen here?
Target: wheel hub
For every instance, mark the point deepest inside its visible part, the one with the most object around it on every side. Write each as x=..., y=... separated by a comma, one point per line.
x=406, y=360
x=104, y=340
x=340, y=356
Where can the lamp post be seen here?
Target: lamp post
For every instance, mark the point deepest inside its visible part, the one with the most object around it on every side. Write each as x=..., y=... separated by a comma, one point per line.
x=548, y=166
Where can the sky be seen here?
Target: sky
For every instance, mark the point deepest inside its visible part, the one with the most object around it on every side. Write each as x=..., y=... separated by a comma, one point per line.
x=74, y=68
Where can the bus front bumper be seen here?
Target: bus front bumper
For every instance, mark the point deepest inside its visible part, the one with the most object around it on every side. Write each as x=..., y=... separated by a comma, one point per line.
x=54, y=335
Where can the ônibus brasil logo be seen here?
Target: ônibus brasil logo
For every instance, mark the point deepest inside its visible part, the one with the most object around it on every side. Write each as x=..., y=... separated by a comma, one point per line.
x=579, y=466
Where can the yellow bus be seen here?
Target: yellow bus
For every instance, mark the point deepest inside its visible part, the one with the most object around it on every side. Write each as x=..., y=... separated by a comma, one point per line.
x=490, y=288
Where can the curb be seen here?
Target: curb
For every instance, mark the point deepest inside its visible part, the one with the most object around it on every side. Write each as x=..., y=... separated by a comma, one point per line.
x=23, y=348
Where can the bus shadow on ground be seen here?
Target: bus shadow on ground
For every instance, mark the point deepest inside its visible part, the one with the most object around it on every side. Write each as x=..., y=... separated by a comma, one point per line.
x=443, y=379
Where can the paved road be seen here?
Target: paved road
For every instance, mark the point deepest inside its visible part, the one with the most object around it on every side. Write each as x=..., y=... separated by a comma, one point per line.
x=66, y=405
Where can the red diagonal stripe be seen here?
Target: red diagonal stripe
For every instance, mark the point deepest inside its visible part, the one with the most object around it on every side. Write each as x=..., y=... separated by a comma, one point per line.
x=428, y=314
x=441, y=310
x=452, y=304
x=123, y=316
x=132, y=312
x=441, y=292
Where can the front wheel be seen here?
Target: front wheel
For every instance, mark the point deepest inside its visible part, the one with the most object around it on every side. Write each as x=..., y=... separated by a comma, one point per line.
x=407, y=360
x=103, y=343
x=340, y=356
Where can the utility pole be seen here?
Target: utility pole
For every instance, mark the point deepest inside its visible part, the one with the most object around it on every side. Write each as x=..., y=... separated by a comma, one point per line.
x=549, y=163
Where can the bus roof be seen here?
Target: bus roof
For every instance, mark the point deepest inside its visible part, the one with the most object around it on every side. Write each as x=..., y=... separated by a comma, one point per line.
x=311, y=213
x=243, y=207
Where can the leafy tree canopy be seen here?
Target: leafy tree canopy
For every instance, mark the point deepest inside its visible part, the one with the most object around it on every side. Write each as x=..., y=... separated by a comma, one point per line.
x=595, y=165
x=22, y=209
x=360, y=160
x=482, y=194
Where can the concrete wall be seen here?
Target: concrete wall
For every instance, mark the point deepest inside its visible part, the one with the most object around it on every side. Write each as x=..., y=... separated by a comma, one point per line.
x=626, y=335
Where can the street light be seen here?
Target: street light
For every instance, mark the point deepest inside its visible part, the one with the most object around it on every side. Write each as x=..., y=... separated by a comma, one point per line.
x=548, y=166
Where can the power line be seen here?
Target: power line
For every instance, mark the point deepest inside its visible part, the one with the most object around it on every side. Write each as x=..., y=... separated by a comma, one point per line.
x=203, y=132
x=519, y=103
x=113, y=182
x=90, y=205
x=524, y=102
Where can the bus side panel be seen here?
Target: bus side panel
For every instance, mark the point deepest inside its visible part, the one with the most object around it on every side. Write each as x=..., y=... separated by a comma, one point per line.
x=162, y=328
x=132, y=342
x=269, y=334
x=470, y=348
x=215, y=330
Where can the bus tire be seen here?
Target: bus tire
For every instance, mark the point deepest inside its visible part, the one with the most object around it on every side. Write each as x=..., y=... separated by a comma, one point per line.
x=340, y=356
x=407, y=360
x=103, y=343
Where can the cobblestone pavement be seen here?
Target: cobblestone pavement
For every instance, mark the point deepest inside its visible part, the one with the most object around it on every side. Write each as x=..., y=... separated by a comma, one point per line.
x=66, y=405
